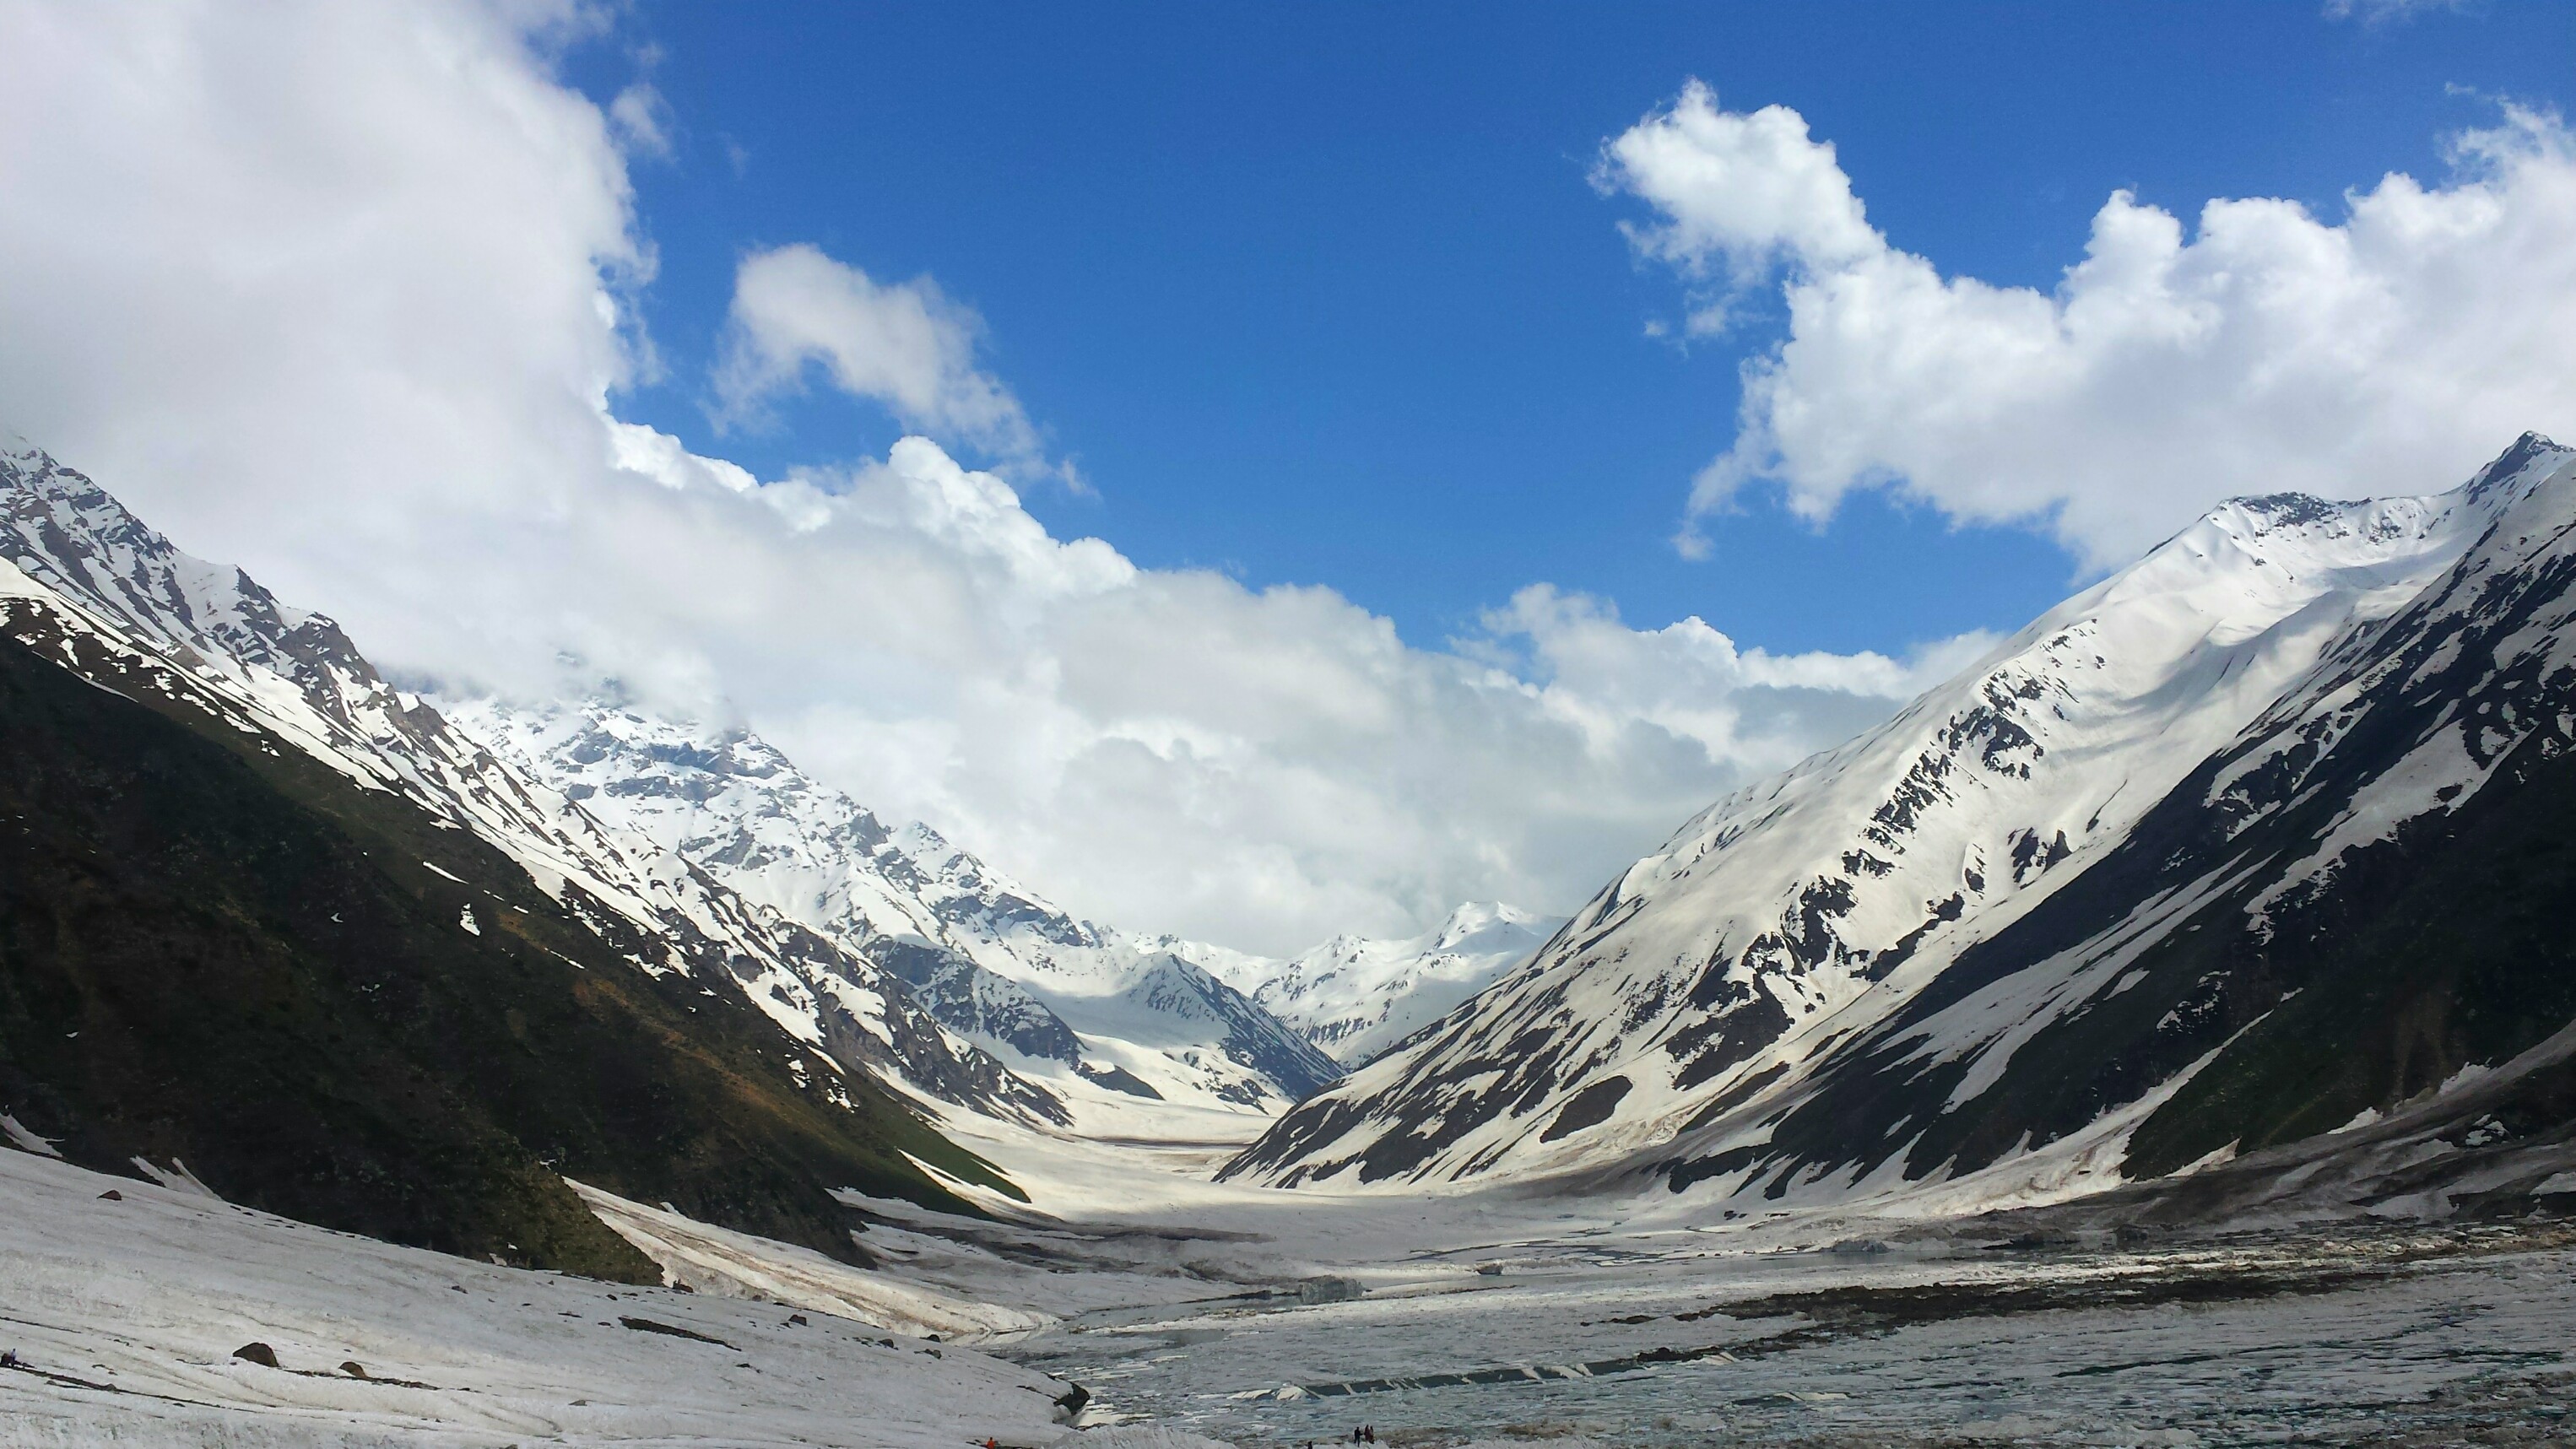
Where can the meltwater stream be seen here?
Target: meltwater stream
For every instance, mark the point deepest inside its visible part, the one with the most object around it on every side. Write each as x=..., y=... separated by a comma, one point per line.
x=2351, y=1341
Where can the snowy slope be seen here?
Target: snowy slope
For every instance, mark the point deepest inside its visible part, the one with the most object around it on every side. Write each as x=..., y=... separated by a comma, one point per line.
x=1788, y=948
x=2357, y=906
x=1355, y=997
x=72, y=556
x=1106, y=1021
x=123, y=1317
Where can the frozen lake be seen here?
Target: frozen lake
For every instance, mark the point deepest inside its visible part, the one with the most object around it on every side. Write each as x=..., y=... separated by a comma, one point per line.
x=2427, y=1335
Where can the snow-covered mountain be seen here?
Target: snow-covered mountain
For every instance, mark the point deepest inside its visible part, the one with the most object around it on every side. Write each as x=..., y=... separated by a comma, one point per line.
x=1102, y=1019
x=272, y=916
x=72, y=557
x=1355, y=997
x=2146, y=885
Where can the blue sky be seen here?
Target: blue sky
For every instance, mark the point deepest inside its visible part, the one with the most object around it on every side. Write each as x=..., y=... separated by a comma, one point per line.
x=1322, y=294
x=1399, y=345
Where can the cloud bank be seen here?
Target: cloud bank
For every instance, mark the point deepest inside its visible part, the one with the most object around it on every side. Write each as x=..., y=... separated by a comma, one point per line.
x=2264, y=349
x=345, y=294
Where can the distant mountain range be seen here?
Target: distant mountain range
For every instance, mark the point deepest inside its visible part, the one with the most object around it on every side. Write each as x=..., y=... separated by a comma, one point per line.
x=2255, y=850
x=1090, y=1019
x=2262, y=838
x=1356, y=997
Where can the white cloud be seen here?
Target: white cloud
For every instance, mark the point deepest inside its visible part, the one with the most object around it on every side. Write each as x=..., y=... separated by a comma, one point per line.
x=904, y=345
x=1173, y=750
x=333, y=292
x=1750, y=191
x=2390, y=351
x=642, y=120
x=1691, y=681
x=2384, y=12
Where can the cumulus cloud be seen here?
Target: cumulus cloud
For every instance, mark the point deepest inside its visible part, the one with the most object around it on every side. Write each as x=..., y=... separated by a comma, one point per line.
x=904, y=345
x=1174, y=750
x=340, y=292
x=1749, y=192
x=2390, y=350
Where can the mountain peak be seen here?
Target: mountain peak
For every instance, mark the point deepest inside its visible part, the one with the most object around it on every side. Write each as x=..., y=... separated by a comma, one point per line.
x=2529, y=451
x=1355, y=996
x=1473, y=917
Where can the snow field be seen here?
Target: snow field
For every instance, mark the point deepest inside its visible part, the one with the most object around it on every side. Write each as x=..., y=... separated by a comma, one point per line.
x=123, y=1317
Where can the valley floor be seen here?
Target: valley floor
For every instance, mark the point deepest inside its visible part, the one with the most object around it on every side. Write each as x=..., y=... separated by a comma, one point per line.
x=1267, y=1319
x=2437, y=1337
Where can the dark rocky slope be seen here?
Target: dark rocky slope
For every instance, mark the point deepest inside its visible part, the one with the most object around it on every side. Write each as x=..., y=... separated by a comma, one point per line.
x=330, y=1004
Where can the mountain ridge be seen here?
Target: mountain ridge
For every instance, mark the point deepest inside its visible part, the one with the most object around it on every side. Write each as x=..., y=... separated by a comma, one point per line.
x=1679, y=1025
x=382, y=951
x=1356, y=996
x=296, y=673
x=1067, y=1004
